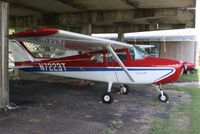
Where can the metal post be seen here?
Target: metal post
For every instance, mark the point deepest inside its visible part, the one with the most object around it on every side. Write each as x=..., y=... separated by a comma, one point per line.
x=4, y=88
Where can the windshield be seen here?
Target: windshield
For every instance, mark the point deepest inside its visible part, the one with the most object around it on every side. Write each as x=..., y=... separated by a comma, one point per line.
x=138, y=53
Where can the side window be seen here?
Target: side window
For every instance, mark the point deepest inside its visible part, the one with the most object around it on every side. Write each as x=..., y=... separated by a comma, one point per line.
x=109, y=57
x=122, y=56
x=97, y=58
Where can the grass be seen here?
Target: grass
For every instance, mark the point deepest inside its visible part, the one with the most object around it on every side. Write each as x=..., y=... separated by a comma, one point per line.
x=163, y=127
x=194, y=76
x=114, y=126
x=191, y=110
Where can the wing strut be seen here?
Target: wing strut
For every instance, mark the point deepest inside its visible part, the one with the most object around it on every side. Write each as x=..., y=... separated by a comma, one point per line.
x=120, y=62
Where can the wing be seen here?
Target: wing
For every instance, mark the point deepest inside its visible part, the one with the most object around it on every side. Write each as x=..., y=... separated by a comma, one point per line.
x=163, y=35
x=65, y=39
x=160, y=35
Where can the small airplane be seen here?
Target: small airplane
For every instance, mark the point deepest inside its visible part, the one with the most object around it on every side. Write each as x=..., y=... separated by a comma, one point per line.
x=103, y=60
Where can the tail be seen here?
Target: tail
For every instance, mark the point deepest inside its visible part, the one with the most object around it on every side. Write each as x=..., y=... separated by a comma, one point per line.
x=20, y=52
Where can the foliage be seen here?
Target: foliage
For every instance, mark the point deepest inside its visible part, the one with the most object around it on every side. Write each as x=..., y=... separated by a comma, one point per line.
x=193, y=76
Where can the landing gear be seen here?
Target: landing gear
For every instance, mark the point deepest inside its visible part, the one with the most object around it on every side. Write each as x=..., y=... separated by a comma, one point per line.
x=124, y=89
x=163, y=97
x=107, y=96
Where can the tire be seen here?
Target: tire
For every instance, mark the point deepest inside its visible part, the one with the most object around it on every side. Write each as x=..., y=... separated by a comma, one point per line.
x=107, y=98
x=127, y=89
x=165, y=97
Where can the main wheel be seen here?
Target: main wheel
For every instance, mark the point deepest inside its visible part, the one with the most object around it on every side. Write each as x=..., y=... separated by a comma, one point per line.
x=163, y=98
x=107, y=98
x=125, y=89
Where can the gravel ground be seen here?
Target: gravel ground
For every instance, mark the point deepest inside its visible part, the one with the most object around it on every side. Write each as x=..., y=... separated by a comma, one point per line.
x=58, y=108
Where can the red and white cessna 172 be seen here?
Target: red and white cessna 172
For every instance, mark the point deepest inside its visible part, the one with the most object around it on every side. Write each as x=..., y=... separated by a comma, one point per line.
x=104, y=60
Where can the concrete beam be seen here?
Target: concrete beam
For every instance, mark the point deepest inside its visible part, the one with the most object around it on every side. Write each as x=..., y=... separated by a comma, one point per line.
x=135, y=4
x=137, y=16
x=4, y=88
x=71, y=4
x=120, y=28
x=31, y=8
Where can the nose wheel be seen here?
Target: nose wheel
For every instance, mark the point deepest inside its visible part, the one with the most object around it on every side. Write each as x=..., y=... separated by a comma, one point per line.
x=107, y=98
x=162, y=97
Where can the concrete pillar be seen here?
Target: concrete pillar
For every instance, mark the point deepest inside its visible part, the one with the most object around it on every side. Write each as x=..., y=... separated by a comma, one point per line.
x=87, y=29
x=121, y=37
x=197, y=27
x=4, y=86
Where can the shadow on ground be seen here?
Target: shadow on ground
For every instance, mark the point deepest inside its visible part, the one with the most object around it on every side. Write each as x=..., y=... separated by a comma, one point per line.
x=57, y=108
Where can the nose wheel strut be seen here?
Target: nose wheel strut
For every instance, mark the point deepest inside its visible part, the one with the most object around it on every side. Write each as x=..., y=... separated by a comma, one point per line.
x=162, y=97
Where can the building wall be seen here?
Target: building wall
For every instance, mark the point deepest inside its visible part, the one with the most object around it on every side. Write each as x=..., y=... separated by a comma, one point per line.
x=184, y=51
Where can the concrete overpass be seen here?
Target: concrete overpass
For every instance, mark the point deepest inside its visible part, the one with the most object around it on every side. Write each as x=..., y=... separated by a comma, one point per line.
x=103, y=16
x=89, y=16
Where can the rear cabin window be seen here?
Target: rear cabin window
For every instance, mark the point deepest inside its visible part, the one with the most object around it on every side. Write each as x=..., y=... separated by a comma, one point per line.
x=97, y=58
x=110, y=58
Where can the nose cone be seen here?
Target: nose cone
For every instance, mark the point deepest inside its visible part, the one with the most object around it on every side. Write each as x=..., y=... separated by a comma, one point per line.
x=164, y=62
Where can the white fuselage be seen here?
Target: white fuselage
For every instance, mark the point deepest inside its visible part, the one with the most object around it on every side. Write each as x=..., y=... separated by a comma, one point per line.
x=141, y=75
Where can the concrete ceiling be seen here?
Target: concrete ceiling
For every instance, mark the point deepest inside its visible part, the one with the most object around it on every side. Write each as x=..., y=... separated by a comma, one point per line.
x=29, y=7
x=101, y=12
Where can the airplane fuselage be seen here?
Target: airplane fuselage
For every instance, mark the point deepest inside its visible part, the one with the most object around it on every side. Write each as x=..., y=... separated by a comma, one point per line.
x=147, y=70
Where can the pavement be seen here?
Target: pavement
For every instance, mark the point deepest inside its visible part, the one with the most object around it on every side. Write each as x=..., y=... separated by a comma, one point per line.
x=59, y=108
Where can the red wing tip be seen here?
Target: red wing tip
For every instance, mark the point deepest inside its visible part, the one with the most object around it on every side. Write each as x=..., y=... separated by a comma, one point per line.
x=35, y=32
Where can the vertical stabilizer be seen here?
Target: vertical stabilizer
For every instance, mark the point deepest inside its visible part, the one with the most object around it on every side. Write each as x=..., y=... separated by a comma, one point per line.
x=19, y=52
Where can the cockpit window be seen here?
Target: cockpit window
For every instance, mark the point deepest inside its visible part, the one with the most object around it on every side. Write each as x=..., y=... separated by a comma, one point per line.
x=98, y=58
x=138, y=53
x=122, y=56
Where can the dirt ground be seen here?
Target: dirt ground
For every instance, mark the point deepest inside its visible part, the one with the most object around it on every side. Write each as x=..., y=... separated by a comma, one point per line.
x=59, y=108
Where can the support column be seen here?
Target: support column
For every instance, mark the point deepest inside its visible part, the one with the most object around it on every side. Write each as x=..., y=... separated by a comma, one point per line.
x=4, y=86
x=87, y=29
x=121, y=37
x=197, y=27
